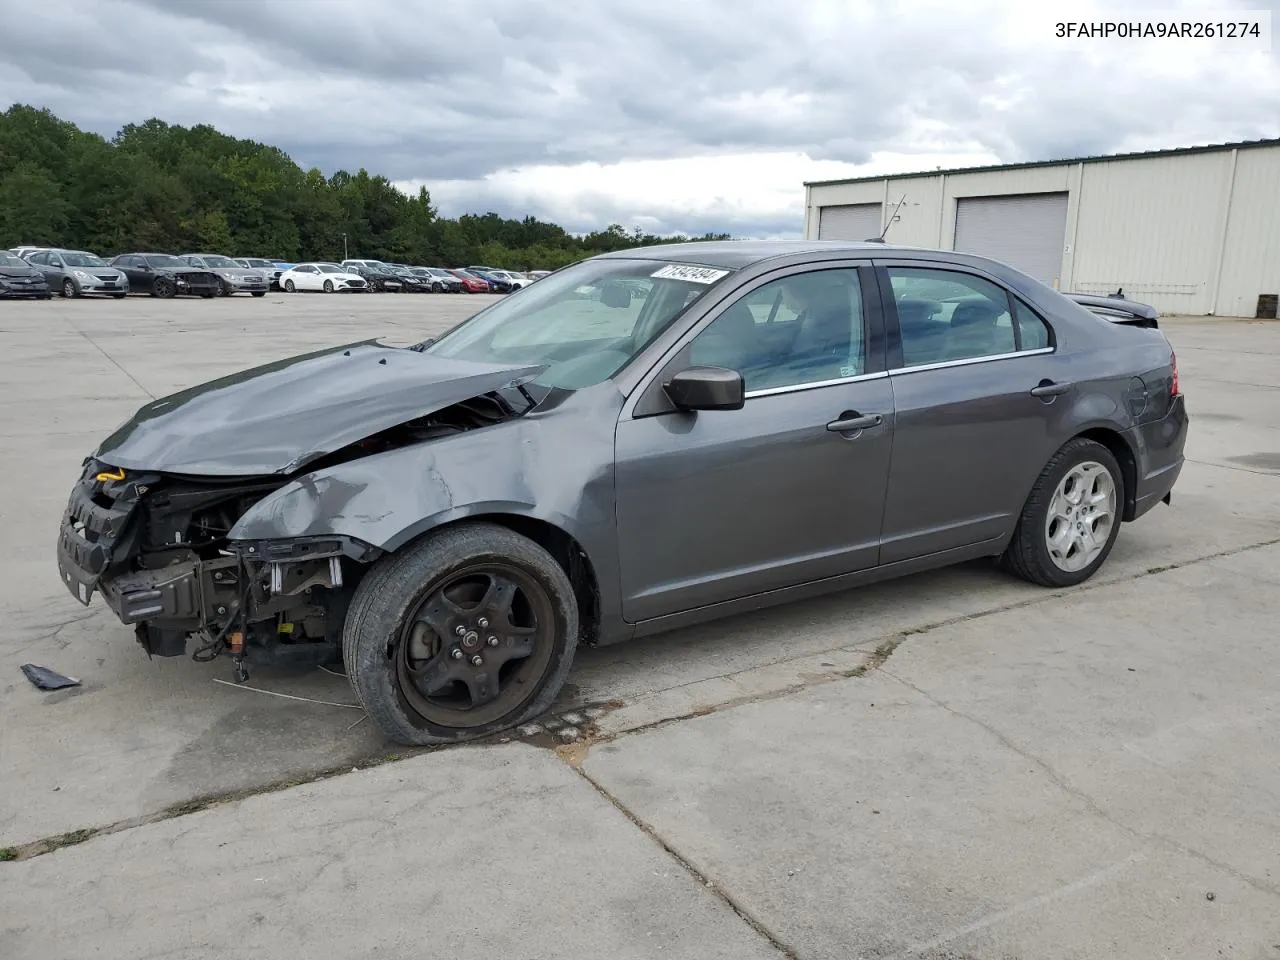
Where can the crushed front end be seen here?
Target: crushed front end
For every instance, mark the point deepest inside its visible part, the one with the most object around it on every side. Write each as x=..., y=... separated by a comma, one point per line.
x=155, y=546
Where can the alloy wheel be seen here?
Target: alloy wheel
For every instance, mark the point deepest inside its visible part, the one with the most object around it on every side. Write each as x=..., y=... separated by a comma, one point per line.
x=1081, y=515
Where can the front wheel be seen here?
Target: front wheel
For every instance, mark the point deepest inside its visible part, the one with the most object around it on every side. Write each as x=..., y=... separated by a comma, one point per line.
x=69, y=288
x=328, y=286
x=289, y=287
x=163, y=288
x=1072, y=517
x=470, y=631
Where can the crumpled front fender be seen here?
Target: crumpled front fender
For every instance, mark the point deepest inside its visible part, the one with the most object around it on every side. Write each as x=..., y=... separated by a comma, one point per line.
x=556, y=468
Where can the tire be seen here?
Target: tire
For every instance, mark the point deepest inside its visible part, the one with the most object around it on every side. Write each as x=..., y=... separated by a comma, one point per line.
x=289, y=287
x=1091, y=467
x=210, y=294
x=222, y=289
x=119, y=296
x=259, y=293
x=328, y=286
x=163, y=288
x=437, y=288
x=69, y=288
x=381, y=640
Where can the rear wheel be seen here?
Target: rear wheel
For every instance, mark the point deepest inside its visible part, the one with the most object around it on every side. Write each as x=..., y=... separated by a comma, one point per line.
x=69, y=288
x=1072, y=517
x=328, y=286
x=289, y=287
x=468, y=632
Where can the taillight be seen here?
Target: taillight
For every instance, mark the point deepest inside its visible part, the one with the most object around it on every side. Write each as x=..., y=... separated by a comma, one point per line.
x=1173, y=386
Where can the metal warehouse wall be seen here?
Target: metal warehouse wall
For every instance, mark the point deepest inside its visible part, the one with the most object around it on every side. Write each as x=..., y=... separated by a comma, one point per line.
x=1191, y=233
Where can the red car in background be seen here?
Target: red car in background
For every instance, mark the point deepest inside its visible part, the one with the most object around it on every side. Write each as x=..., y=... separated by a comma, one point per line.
x=470, y=282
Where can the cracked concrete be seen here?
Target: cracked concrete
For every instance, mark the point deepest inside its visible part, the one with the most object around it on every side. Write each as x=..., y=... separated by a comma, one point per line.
x=954, y=765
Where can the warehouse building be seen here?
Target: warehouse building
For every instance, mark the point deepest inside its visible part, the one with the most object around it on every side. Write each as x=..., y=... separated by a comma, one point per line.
x=1191, y=231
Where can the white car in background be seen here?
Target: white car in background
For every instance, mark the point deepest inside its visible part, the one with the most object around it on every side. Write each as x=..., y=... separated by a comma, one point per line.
x=324, y=277
x=517, y=280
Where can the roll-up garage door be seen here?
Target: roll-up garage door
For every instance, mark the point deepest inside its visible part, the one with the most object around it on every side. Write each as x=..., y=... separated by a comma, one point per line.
x=1027, y=231
x=851, y=221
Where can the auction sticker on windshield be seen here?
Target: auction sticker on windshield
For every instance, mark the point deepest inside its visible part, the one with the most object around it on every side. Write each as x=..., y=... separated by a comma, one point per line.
x=676, y=271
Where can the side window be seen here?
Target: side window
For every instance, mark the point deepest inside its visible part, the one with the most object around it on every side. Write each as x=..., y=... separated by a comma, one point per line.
x=947, y=315
x=41, y=257
x=1033, y=333
x=804, y=328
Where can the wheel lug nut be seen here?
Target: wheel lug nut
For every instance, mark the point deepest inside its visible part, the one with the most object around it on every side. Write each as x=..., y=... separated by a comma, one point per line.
x=482, y=623
x=459, y=630
x=492, y=641
x=477, y=661
x=456, y=654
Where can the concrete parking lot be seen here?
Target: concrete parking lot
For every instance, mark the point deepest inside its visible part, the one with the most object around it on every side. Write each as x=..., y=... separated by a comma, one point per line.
x=954, y=765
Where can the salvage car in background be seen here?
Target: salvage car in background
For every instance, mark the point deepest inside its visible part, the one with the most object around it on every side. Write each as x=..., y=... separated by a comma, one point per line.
x=472, y=283
x=164, y=275
x=714, y=428
x=448, y=281
x=269, y=267
x=20, y=280
x=234, y=277
x=380, y=277
x=74, y=273
x=322, y=277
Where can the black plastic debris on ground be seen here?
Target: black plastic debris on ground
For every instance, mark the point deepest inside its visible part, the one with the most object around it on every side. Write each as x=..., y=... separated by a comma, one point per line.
x=46, y=679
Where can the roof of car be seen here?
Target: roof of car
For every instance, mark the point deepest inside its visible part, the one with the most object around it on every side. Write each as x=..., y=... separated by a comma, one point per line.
x=740, y=253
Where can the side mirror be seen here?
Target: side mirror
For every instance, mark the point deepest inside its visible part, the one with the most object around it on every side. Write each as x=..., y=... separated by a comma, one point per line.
x=615, y=295
x=707, y=388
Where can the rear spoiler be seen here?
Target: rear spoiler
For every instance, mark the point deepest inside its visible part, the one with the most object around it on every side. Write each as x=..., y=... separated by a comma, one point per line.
x=1128, y=313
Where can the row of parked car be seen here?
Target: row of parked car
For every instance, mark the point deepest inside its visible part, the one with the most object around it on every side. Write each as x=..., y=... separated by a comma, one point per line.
x=40, y=272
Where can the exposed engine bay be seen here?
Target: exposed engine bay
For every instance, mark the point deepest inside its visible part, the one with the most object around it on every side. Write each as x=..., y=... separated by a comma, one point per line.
x=156, y=546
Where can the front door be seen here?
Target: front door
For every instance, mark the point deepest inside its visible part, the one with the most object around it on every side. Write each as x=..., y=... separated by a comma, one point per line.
x=717, y=505
x=969, y=436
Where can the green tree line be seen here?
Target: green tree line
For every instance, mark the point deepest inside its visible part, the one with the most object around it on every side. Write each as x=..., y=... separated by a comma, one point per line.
x=162, y=187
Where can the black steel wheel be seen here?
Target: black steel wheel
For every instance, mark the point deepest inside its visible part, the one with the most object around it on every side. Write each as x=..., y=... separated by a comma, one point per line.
x=69, y=288
x=163, y=287
x=470, y=631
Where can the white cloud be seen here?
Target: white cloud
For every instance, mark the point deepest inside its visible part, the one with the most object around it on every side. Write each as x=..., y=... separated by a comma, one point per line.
x=683, y=116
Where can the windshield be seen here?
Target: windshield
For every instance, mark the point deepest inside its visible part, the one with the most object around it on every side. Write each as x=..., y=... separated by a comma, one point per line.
x=222, y=263
x=9, y=260
x=251, y=261
x=329, y=268
x=441, y=272
x=82, y=260
x=586, y=322
x=166, y=262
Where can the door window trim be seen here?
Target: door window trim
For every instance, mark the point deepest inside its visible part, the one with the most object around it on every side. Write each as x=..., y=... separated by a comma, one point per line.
x=893, y=330
x=873, y=333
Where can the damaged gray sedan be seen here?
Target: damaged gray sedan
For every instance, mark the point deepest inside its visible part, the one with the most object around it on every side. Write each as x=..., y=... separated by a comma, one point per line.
x=645, y=440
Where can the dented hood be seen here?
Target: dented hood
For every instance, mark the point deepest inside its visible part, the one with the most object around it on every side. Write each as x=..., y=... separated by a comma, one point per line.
x=275, y=418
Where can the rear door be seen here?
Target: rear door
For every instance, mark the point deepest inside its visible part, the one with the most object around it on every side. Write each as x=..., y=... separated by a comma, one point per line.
x=970, y=437
x=717, y=505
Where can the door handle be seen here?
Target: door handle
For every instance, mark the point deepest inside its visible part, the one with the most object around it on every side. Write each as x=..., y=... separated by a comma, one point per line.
x=854, y=421
x=1047, y=388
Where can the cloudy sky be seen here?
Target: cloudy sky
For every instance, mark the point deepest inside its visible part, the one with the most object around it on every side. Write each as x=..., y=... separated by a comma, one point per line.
x=672, y=115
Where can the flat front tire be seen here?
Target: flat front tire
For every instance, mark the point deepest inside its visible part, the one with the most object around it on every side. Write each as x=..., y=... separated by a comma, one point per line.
x=469, y=631
x=1072, y=517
